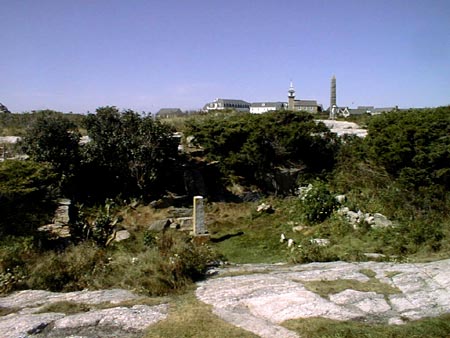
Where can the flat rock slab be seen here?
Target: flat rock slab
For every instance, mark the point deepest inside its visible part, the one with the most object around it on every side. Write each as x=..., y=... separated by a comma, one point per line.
x=260, y=297
x=26, y=319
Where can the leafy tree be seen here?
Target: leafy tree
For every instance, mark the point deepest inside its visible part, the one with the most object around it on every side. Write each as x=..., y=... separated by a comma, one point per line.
x=54, y=139
x=253, y=146
x=127, y=153
x=26, y=193
x=413, y=146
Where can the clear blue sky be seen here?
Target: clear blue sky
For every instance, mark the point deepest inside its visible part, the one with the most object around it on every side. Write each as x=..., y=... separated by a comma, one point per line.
x=77, y=55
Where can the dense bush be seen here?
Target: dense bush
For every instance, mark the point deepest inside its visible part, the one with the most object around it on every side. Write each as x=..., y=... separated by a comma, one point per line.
x=17, y=124
x=252, y=146
x=413, y=146
x=127, y=155
x=70, y=270
x=52, y=138
x=401, y=170
x=317, y=202
x=27, y=190
x=168, y=265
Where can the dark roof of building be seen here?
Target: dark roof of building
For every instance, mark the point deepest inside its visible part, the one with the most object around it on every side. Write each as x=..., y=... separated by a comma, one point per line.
x=232, y=101
x=267, y=104
x=305, y=103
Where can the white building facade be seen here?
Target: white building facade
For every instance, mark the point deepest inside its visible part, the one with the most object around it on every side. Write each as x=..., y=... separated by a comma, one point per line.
x=264, y=107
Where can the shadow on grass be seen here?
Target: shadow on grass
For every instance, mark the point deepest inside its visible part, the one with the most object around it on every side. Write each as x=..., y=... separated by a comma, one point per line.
x=225, y=237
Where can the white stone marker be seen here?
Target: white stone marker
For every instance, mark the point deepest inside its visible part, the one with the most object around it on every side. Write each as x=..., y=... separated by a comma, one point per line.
x=199, y=217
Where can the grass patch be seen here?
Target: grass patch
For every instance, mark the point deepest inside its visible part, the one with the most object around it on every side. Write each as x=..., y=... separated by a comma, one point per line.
x=6, y=311
x=438, y=327
x=368, y=272
x=391, y=274
x=69, y=307
x=189, y=317
x=325, y=288
x=250, y=237
x=166, y=265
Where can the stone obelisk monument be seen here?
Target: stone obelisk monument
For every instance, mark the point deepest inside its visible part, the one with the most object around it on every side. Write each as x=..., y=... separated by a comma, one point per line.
x=333, y=92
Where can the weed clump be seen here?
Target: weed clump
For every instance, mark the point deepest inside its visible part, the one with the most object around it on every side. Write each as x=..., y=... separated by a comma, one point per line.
x=167, y=264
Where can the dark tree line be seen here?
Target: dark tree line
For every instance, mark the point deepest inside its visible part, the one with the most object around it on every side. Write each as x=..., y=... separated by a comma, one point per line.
x=126, y=154
x=252, y=147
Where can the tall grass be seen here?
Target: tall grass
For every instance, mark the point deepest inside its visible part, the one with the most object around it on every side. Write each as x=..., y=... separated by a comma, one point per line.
x=166, y=265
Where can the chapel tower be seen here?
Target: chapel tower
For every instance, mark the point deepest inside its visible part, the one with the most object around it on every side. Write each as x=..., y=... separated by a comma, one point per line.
x=291, y=97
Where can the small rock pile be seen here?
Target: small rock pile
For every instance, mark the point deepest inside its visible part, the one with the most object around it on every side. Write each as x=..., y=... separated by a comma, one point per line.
x=357, y=219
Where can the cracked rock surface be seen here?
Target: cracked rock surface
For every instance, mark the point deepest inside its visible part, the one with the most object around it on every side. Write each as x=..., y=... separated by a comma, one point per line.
x=271, y=294
x=29, y=319
x=255, y=297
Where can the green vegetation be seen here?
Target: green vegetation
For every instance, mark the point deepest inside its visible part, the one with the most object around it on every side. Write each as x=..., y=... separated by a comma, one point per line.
x=400, y=170
x=189, y=317
x=325, y=288
x=69, y=307
x=26, y=196
x=166, y=265
x=128, y=155
x=326, y=328
x=250, y=148
x=16, y=124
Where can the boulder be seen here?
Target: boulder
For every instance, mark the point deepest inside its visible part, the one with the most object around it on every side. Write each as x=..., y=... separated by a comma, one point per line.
x=55, y=231
x=341, y=199
x=369, y=219
x=159, y=225
x=182, y=223
x=343, y=211
x=282, y=181
x=303, y=191
x=374, y=256
x=180, y=212
x=298, y=228
x=263, y=207
x=121, y=235
x=320, y=241
x=353, y=218
x=380, y=221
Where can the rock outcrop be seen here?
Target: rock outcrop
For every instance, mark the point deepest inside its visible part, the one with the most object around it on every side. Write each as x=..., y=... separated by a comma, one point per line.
x=34, y=313
x=262, y=296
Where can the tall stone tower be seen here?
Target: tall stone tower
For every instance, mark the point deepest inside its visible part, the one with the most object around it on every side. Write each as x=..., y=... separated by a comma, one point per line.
x=291, y=97
x=333, y=93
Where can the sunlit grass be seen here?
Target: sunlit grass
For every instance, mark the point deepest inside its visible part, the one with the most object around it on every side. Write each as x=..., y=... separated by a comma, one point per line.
x=438, y=327
x=189, y=317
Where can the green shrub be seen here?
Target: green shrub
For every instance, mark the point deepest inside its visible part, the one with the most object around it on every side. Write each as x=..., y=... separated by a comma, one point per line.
x=317, y=202
x=70, y=270
x=413, y=146
x=308, y=251
x=168, y=265
x=15, y=252
x=253, y=147
x=26, y=193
